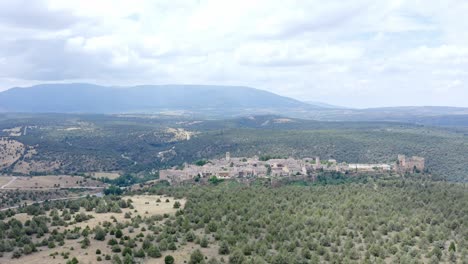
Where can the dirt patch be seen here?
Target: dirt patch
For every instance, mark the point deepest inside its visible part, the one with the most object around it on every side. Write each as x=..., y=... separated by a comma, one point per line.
x=183, y=254
x=69, y=129
x=5, y=180
x=10, y=152
x=282, y=120
x=145, y=205
x=53, y=182
x=108, y=175
x=180, y=134
x=13, y=132
x=25, y=167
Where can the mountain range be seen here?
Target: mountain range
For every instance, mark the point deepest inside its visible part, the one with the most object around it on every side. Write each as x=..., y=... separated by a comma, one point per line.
x=207, y=100
x=89, y=98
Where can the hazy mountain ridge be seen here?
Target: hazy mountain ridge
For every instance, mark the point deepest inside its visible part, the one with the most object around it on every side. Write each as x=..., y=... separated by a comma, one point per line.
x=208, y=101
x=90, y=98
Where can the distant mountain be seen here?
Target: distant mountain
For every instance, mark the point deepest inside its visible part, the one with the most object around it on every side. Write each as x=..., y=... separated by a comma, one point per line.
x=324, y=105
x=421, y=110
x=424, y=115
x=89, y=98
x=209, y=101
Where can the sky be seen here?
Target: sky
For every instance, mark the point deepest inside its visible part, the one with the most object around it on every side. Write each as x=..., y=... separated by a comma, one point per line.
x=354, y=53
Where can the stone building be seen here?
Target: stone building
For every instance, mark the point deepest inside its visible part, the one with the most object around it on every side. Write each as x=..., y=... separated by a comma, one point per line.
x=410, y=164
x=243, y=168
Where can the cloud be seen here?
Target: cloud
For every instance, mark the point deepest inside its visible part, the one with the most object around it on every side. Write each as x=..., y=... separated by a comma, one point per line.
x=451, y=54
x=293, y=54
x=34, y=15
x=342, y=52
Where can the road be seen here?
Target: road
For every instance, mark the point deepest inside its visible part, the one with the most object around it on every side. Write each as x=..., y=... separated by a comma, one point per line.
x=10, y=182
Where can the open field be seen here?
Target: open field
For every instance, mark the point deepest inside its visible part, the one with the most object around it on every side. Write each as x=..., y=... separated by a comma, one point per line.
x=13, y=132
x=89, y=255
x=35, y=166
x=107, y=175
x=144, y=206
x=49, y=182
x=10, y=151
x=5, y=180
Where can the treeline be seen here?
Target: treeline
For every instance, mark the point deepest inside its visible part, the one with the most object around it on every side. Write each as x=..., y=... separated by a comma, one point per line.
x=40, y=231
x=393, y=221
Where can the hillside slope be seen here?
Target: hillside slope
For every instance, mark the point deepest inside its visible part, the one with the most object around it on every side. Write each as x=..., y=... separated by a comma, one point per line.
x=89, y=98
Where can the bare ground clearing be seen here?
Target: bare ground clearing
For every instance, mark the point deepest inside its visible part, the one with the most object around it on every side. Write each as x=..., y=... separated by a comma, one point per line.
x=53, y=181
x=145, y=205
x=108, y=175
x=10, y=151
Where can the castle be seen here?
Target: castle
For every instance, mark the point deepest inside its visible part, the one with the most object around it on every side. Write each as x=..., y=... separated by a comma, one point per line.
x=240, y=167
x=411, y=164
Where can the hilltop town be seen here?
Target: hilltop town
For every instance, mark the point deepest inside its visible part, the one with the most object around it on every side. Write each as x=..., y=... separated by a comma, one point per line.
x=263, y=167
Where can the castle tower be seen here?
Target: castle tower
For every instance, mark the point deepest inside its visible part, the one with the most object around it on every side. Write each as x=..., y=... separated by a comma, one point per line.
x=317, y=161
x=228, y=156
x=402, y=161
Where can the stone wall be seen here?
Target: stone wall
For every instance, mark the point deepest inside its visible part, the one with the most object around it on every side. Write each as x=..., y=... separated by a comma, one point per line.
x=409, y=164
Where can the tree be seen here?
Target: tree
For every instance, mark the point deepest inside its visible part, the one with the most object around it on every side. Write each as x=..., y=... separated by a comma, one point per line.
x=172, y=246
x=437, y=252
x=118, y=233
x=101, y=207
x=73, y=261
x=236, y=257
x=169, y=259
x=140, y=253
x=212, y=227
x=16, y=254
x=128, y=259
x=85, y=242
x=154, y=252
x=127, y=251
x=190, y=237
x=177, y=205
x=223, y=248
x=197, y=257
x=452, y=247
x=204, y=242
x=116, y=260
x=99, y=233
x=280, y=259
x=201, y=162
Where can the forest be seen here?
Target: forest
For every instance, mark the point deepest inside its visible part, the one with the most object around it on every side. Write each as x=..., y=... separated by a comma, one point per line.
x=141, y=145
x=374, y=221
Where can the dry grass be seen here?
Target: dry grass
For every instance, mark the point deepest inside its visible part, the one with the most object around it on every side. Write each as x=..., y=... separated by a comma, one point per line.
x=4, y=179
x=145, y=205
x=10, y=151
x=53, y=181
x=108, y=175
x=26, y=167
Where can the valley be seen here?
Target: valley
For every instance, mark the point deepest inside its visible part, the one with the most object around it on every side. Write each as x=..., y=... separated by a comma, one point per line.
x=142, y=145
x=80, y=188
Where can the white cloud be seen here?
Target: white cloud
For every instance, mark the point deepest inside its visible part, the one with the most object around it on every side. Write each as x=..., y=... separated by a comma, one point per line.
x=344, y=52
x=293, y=54
x=442, y=54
